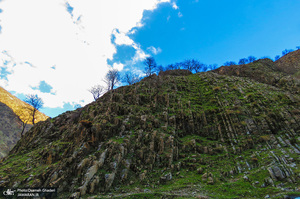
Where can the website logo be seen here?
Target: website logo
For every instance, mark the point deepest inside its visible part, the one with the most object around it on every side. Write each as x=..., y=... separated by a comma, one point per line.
x=8, y=192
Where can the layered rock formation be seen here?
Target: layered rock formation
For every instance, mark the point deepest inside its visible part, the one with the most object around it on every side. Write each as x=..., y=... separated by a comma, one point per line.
x=168, y=135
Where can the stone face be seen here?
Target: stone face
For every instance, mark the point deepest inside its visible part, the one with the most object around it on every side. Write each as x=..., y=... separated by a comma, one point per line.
x=210, y=181
x=204, y=177
x=87, y=177
x=200, y=170
x=168, y=176
x=246, y=178
x=75, y=196
x=276, y=173
x=109, y=179
x=143, y=176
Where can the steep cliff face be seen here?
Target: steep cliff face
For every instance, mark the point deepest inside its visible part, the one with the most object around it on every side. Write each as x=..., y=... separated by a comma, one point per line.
x=10, y=129
x=189, y=135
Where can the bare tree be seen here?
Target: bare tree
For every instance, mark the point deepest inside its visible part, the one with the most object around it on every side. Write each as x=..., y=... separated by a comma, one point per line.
x=160, y=68
x=150, y=66
x=96, y=91
x=171, y=67
x=188, y=64
x=112, y=78
x=130, y=78
x=24, y=117
x=277, y=57
x=204, y=67
x=179, y=65
x=198, y=66
x=251, y=59
x=229, y=63
x=243, y=61
x=286, y=51
x=213, y=66
x=36, y=104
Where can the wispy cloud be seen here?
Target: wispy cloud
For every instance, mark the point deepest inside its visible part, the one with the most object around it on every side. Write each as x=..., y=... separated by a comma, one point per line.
x=180, y=14
x=154, y=50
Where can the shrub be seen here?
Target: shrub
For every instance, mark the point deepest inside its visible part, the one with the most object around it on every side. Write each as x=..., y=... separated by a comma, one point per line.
x=264, y=138
x=86, y=123
x=217, y=88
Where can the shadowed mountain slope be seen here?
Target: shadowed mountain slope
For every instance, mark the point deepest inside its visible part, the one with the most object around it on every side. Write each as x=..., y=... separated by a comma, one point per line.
x=191, y=135
x=10, y=129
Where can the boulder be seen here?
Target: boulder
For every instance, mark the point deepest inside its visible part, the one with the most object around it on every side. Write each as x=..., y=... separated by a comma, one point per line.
x=200, y=170
x=109, y=179
x=210, y=181
x=276, y=173
x=204, y=177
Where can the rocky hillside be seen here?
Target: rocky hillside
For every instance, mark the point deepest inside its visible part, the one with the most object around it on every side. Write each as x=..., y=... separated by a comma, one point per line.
x=290, y=63
x=12, y=110
x=204, y=135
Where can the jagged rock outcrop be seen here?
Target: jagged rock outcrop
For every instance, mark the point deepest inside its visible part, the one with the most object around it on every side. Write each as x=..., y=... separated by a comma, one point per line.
x=185, y=130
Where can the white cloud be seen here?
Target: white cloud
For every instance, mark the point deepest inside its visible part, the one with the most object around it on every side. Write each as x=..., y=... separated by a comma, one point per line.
x=154, y=50
x=118, y=66
x=139, y=55
x=44, y=34
x=174, y=5
x=122, y=38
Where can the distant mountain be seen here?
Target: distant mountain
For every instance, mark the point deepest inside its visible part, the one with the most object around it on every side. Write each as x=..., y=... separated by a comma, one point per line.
x=228, y=133
x=12, y=111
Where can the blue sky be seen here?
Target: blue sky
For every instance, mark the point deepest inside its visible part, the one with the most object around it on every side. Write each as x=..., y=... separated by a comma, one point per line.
x=220, y=31
x=63, y=55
